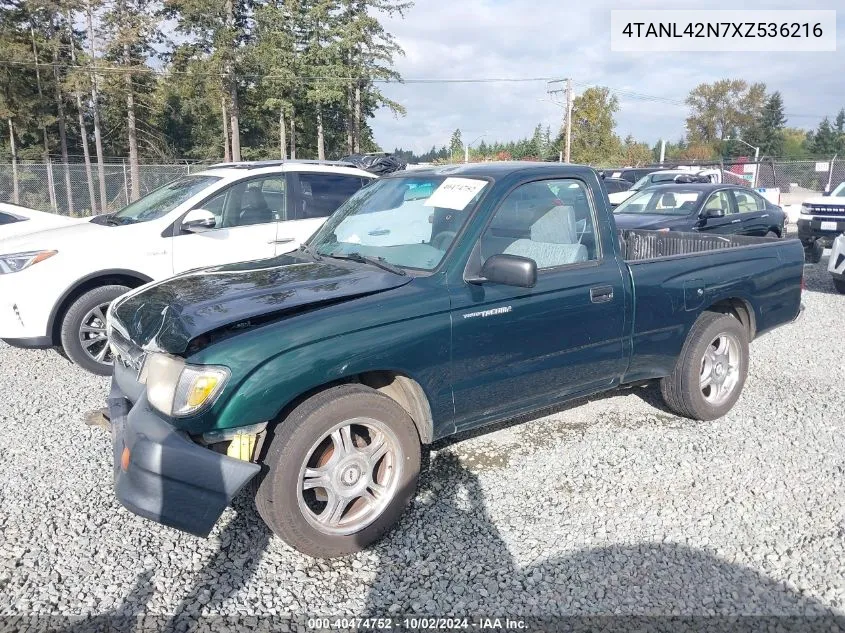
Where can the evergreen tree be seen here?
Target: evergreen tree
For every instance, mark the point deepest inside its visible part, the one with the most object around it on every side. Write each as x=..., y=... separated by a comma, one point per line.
x=767, y=133
x=839, y=127
x=456, y=146
x=824, y=140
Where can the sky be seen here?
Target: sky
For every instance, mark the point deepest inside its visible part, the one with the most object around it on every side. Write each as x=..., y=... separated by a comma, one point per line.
x=474, y=39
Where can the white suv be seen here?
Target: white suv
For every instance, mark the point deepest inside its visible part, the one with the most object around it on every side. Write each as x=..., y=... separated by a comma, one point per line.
x=56, y=285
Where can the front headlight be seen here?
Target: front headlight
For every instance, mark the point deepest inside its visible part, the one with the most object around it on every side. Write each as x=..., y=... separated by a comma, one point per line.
x=16, y=262
x=806, y=210
x=178, y=389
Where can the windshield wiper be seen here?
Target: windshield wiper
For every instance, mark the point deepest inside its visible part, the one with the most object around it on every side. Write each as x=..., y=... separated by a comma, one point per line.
x=307, y=248
x=380, y=262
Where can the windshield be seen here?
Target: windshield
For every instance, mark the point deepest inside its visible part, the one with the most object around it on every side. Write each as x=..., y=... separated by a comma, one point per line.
x=657, y=202
x=164, y=199
x=839, y=192
x=407, y=221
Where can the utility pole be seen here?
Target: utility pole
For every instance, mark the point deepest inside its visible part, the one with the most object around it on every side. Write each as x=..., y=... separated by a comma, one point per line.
x=567, y=117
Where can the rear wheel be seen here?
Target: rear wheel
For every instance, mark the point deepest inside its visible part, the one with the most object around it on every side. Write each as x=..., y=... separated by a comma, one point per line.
x=839, y=284
x=83, y=333
x=711, y=370
x=772, y=234
x=342, y=468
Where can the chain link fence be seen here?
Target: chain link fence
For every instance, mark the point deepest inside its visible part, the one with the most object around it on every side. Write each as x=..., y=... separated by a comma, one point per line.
x=43, y=186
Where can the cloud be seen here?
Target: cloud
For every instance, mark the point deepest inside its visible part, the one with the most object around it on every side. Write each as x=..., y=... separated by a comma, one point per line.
x=462, y=39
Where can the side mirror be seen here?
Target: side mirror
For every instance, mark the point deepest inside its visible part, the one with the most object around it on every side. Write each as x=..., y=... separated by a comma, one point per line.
x=198, y=220
x=508, y=270
x=713, y=213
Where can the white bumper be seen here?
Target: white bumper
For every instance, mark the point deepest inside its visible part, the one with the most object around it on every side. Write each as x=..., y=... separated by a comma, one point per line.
x=836, y=264
x=26, y=303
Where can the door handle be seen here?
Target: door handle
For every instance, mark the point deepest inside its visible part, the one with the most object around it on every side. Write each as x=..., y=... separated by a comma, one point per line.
x=601, y=294
x=736, y=221
x=281, y=240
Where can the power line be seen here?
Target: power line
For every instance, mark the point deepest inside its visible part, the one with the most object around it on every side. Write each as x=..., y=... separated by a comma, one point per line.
x=206, y=73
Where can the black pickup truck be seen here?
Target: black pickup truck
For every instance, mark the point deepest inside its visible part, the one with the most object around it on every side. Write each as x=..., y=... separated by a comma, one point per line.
x=432, y=302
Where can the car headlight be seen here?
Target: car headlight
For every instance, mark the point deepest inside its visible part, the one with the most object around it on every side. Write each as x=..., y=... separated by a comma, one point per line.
x=179, y=389
x=806, y=210
x=16, y=262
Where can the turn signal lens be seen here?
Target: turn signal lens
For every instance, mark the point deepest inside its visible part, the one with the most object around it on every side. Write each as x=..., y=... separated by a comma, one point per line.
x=202, y=388
x=124, y=459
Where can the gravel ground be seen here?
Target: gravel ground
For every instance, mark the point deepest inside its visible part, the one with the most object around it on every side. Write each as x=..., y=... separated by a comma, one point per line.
x=613, y=506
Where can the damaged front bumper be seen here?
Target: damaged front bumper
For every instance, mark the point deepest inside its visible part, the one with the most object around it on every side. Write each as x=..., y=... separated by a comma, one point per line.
x=162, y=475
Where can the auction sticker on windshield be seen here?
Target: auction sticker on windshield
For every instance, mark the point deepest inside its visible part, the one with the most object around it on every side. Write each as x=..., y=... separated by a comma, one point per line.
x=455, y=193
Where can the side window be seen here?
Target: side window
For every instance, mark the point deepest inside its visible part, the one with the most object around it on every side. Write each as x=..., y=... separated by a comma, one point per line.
x=322, y=193
x=719, y=200
x=549, y=221
x=255, y=201
x=748, y=202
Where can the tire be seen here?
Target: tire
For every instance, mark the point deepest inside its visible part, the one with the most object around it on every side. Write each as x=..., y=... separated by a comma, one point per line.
x=81, y=312
x=296, y=511
x=684, y=391
x=839, y=284
x=772, y=234
x=813, y=252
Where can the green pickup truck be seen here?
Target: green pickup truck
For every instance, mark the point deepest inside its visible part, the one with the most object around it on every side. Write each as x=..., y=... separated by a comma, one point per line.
x=433, y=302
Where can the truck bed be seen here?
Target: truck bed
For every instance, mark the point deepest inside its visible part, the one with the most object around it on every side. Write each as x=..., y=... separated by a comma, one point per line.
x=638, y=245
x=677, y=275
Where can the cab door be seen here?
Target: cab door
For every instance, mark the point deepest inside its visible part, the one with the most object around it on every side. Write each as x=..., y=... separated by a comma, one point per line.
x=246, y=215
x=516, y=348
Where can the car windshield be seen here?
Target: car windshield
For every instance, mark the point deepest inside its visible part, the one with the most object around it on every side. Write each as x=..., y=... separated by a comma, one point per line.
x=405, y=221
x=839, y=192
x=163, y=200
x=661, y=202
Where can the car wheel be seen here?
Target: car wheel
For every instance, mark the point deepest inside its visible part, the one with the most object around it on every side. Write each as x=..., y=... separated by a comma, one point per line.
x=341, y=469
x=83, y=333
x=711, y=370
x=772, y=234
x=813, y=252
x=839, y=284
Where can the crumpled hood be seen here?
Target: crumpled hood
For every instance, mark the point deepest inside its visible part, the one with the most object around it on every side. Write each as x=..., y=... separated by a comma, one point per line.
x=166, y=316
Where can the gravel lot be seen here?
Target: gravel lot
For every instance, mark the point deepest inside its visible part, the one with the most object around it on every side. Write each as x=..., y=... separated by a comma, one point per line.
x=614, y=506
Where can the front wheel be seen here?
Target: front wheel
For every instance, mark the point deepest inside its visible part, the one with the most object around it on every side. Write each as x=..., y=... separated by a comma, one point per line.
x=839, y=284
x=342, y=468
x=711, y=369
x=83, y=334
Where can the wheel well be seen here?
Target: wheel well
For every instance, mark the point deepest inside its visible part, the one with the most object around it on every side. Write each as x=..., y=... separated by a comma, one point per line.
x=408, y=394
x=132, y=280
x=403, y=390
x=741, y=310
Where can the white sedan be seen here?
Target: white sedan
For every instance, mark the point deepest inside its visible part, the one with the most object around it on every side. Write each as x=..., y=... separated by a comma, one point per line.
x=56, y=284
x=16, y=220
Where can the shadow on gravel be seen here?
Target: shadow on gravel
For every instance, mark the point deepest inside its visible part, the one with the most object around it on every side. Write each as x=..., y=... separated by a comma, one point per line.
x=447, y=558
